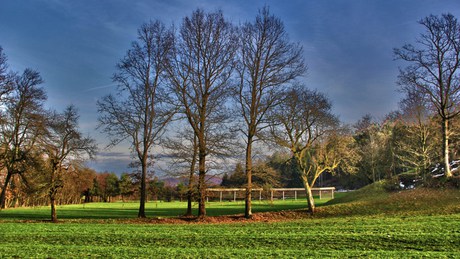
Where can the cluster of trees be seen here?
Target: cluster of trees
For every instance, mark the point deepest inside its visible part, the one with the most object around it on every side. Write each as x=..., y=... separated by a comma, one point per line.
x=219, y=90
x=82, y=184
x=400, y=144
x=37, y=146
x=224, y=85
x=192, y=74
x=108, y=187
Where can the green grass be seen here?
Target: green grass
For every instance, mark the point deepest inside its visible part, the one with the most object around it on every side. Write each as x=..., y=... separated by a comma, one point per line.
x=366, y=223
x=126, y=210
x=431, y=236
x=374, y=200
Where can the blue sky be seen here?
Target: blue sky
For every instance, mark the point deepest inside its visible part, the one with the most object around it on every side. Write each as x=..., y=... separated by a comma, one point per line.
x=347, y=43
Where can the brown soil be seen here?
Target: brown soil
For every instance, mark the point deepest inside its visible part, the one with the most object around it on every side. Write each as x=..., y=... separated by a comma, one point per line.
x=256, y=217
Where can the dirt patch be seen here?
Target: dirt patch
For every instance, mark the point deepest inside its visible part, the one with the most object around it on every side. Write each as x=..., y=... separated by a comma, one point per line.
x=227, y=219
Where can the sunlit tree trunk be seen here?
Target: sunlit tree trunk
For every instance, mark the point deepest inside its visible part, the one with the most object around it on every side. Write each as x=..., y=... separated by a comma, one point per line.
x=310, y=198
x=445, y=146
x=248, y=205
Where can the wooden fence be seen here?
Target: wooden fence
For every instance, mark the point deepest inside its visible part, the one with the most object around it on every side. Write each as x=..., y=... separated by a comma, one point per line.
x=283, y=192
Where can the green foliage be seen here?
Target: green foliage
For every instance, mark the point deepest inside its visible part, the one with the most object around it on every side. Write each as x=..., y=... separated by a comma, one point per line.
x=126, y=185
x=288, y=168
x=262, y=174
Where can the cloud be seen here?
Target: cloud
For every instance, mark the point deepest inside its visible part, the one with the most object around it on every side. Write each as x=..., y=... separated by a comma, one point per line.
x=115, y=165
x=110, y=155
x=94, y=88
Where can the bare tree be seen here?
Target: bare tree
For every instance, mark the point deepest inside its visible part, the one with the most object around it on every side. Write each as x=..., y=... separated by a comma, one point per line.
x=139, y=112
x=184, y=152
x=370, y=141
x=6, y=82
x=417, y=146
x=434, y=71
x=304, y=124
x=200, y=72
x=63, y=145
x=267, y=62
x=23, y=125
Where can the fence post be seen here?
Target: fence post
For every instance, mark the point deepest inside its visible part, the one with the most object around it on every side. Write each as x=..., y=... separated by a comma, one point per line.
x=295, y=195
x=234, y=196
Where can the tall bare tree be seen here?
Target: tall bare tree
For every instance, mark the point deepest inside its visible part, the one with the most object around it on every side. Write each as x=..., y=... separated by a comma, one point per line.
x=434, y=71
x=23, y=125
x=139, y=112
x=304, y=124
x=200, y=72
x=184, y=152
x=268, y=60
x=64, y=144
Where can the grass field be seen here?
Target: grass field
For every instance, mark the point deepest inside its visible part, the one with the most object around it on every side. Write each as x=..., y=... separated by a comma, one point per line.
x=124, y=210
x=366, y=223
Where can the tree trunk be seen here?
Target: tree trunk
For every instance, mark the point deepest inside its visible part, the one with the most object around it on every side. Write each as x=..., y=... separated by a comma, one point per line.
x=248, y=198
x=202, y=183
x=3, y=194
x=310, y=198
x=445, y=146
x=141, y=213
x=191, y=179
x=189, y=200
x=52, y=193
x=53, y=208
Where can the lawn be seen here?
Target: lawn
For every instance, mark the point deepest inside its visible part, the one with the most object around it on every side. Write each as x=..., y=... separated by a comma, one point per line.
x=124, y=210
x=429, y=236
x=367, y=223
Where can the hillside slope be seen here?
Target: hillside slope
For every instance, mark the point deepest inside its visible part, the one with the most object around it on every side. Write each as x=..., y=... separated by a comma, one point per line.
x=375, y=200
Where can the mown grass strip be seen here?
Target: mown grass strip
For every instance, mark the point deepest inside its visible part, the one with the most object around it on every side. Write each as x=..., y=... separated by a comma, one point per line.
x=357, y=236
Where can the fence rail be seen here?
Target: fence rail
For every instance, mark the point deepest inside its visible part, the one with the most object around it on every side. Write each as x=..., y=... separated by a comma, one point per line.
x=272, y=191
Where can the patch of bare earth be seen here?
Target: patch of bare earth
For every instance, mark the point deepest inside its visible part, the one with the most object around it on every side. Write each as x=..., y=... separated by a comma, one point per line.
x=227, y=219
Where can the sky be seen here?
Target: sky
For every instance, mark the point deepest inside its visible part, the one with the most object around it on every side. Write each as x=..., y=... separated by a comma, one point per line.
x=348, y=47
